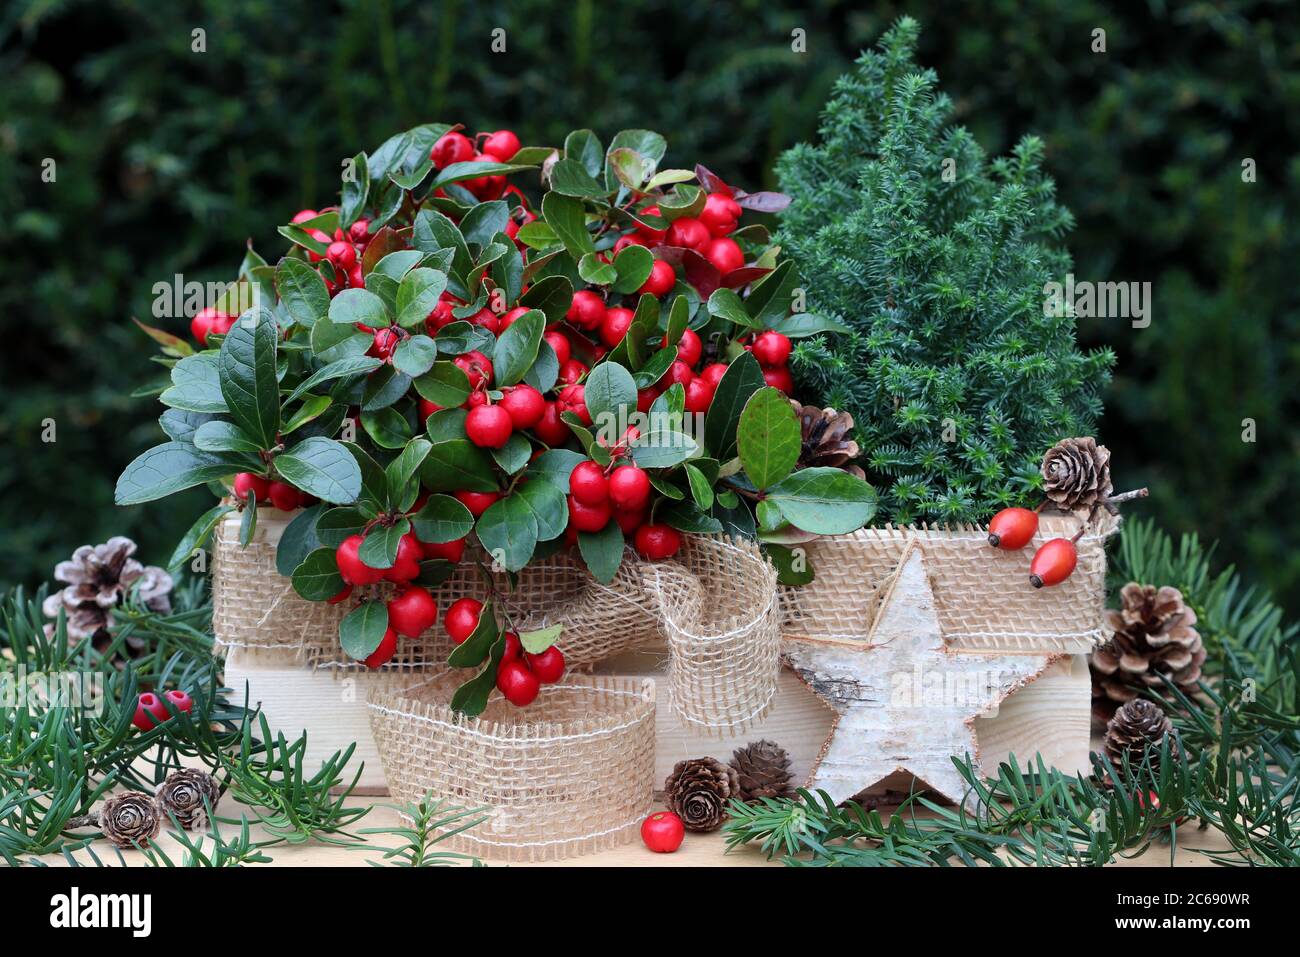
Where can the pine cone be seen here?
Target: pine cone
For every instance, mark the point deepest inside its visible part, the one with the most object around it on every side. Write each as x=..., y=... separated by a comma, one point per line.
x=98, y=579
x=182, y=795
x=1135, y=726
x=1076, y=473
x=763, y=771
x=1154, y=635
x=825, y=439
x=129, y=819
x=698, y=791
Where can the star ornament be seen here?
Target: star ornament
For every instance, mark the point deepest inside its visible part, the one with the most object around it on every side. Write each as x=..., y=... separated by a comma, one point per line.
x=904, y=699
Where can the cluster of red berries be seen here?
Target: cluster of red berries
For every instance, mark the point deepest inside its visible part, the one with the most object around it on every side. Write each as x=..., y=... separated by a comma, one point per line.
x=455, y=147
x=618, y=492
x=210, y=322
x=150, y=709
x=343, y=250
x=1054, y=562
x=280, y=494
x=520, y=674
x=772, y=350
x=709, y=234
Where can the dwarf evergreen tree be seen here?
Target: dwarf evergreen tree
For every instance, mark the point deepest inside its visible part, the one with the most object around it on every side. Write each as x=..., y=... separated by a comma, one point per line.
x=936, y=259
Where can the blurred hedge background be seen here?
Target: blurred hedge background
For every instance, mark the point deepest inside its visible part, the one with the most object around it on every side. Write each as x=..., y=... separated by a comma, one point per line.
x=168, y=160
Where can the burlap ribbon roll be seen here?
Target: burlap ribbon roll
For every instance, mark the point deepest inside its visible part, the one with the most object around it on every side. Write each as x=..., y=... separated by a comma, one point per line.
x=571, y=774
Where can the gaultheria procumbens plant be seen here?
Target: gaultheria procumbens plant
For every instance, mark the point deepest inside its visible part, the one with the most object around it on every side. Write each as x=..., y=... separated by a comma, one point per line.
x=937, y=261
x=571, y=364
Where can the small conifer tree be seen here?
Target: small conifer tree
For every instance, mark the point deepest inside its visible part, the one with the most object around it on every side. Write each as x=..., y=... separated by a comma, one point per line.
x=936, y=260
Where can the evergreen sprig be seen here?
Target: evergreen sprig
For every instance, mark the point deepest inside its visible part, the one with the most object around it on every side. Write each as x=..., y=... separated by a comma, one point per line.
x=936, y=259
x=431, y=822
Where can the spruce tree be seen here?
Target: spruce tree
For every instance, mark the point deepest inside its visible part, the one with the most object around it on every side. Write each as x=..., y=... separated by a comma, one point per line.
x=935, y=258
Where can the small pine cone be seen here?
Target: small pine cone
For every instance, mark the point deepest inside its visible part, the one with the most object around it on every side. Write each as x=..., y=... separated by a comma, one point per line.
x=129, y=819
x=1154, y=634
x=824, y=439
x=182, y=795
x=1076, y=473
x=1135, y=726
x=763, y=770
x=698, y=791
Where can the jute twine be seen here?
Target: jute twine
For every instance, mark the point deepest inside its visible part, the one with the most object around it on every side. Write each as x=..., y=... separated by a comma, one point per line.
x=982, y=594
x=571, y=774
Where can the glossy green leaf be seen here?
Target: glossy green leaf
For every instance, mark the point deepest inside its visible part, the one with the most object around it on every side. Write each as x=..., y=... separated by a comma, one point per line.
x=742, y=379
x=316, y=577
x=196, y=385
x=167, y=468
x=417, y=295
x=352, y=306
x=768, y=437
x=363, y=629
x=568, y=217
x=442, y=519
x=824, y=501
x=302, y=290
x=516, y=348
x=602, y=551
x=508, y=532
x=321, y=467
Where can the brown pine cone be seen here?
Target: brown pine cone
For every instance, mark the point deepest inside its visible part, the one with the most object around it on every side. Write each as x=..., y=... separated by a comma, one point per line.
x=698, y=791
x=182, y=795
x=1076, y=473
x=824, y=440
x=129, y=819
x=1154, y=635
x=763, y=771
x=1135, y=726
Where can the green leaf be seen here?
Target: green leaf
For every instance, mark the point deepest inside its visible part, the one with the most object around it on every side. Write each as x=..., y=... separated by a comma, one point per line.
x=742, y=379
x=297, y=234
x=458, y=465
x=554, y=466
x=379, y=547
x=298, y=540
x=548, y=506
x=196, y=385
x=446, y=424
x=222, y=436
x=646, y=142
x=792, y=565
x=537, y=235
x=688, y=517
x=633, y=265
x=543, y=374
x=803, y=324
x=433, y=231
x=768, y=437
x=508, y=532
x=611, y=397
x=594, y=272
x=552, y=295
x=181, y=425
x=484, y=221
x=248, y=381
x=355, y=189
x=668, y=177
x=769, y=300
x=584, y=147
x=317, y=577
x=570, y=178
x=374, y=485
x=335, y=525
x=397, y=264
x=513, y=456
x=415, y=356
x=685, y=200
x=442, y=519
x=321, y=467
x=363, y=629
x=535, y=642
x=402, y=469
x=248, y=520
x=456, y=172
x=352, y=306
x=663, y=448
x=824, y=501
x=460, y=337
x=312, y=408
x=387, y=427
x=384, y=387
x=302, y=290
x=701, y=487
x=472, y=696
x=655, y=367
x=476, y=648
x=568, y=217
x=417, y=295
x=602, y=551
x=339, y=369
x=167, y=468
x=197, y=534
x=334, y=342
x=725, y=303
x=445, y=384
x=516, y=348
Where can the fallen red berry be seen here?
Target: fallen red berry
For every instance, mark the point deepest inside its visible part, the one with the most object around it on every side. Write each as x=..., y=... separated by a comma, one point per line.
x=1053, y=563
x=663, y=832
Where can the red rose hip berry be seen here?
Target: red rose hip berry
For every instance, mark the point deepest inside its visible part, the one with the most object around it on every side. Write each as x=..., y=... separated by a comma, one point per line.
x=1053, y=563
x=1012, y=528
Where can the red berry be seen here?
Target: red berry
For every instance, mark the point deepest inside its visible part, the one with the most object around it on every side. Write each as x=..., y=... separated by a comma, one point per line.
x=513, y=649
x=779, y=378
x=559, y=343
x=385, y=344
x=571, y=371
x=246, y=482
x=508, y=319
x=629, y=522
x=772, y=349
x=475, y=400
x=488, y=319
x=587, y=310
x=678, y=372
x=1053, y=563
x=284, y=496
x=524, y=404
x=720, y=214
x=663, y=832
x=407, y=564
x=573, y=398
x=689, y=347
x=517, y=683
x=589, y=518
x=646, y=398
x=587, y=483
x=476, y=366
x=427, y=409
x=486, y=187
x=179, y=700
x=322, y=238
x=303, y=215
x=489, y=426
x=503, y=144
x=661, y=280
x=342, y=255
x=615, y=325
x=451, y=148
x=713, y=373
x=477, y=502
x=359, y=232
x=656, y=542
x=447, y=551
x=629, y=488
x=549, y=428
x=440, y=315
x=413, y=612
x=149, y=709
x=547, y=666
x=384, y=653
x=688, y=232
x=652, y=237
x=353, y=570
x=342, y=595
x=1012, y=528
x=462, y=618
x=210, y=322
x=725, y=254
x=631, y=239
x=699, y=395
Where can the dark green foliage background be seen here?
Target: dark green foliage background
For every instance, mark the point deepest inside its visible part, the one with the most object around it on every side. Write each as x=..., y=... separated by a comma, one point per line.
x=169, y=160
